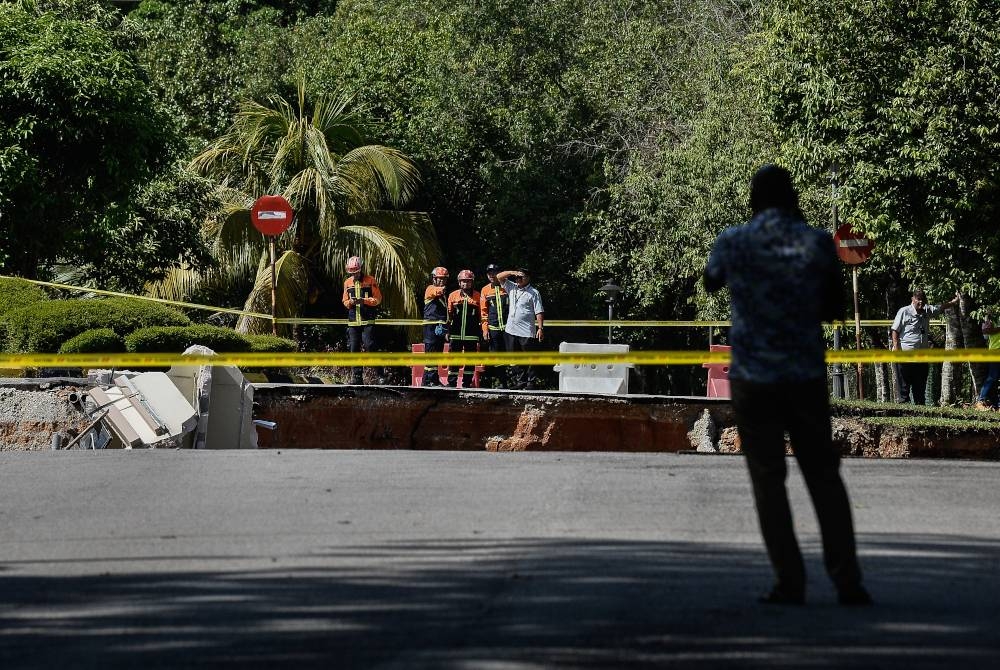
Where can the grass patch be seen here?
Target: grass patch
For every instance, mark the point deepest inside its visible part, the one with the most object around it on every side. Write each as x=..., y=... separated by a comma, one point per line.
x=866, y=409
x=919, y=423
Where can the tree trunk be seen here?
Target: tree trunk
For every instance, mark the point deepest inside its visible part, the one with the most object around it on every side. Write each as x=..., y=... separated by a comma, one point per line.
x=881, y=383
x=882, y=378
x=951, y=373
x=972, y=336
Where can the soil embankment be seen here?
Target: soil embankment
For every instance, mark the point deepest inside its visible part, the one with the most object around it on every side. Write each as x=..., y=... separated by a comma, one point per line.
x=339, y=417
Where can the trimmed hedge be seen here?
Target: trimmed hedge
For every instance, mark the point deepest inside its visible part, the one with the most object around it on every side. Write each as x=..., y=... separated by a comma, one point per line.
x=97, y=341
x=271, y=344
x=18, y=293
x=43, y=327
x=173, y=339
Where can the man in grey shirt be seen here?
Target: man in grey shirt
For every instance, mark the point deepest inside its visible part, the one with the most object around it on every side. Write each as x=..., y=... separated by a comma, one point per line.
x=910, y=331
x=525, y=322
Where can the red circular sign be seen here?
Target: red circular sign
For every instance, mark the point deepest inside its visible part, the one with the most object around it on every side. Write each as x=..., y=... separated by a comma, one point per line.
x=852, y=248
x=271, y=214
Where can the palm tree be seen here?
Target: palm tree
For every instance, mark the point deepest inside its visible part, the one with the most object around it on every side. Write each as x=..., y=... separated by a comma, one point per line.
x=347, y=196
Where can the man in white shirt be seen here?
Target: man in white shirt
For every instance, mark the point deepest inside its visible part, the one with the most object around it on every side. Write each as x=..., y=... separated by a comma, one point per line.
x=524, y=330
x=910, y=330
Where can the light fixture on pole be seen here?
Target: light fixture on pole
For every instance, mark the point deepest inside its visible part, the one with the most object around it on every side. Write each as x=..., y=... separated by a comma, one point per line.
x=611, y=292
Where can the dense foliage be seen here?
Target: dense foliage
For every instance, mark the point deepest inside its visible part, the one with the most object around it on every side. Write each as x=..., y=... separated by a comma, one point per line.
x=264, y=344
x=901, y=99
x=588, y=140
x=175, y=339
x=86, y=150
x=16, y=293
x=44, y=326
x=96, y=341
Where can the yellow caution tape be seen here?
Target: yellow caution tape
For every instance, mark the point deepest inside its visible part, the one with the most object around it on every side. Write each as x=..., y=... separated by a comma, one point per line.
x=406, y=359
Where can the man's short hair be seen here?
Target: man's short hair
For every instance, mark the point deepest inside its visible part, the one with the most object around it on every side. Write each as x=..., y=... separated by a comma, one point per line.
x=919, y=293
x=524, y=271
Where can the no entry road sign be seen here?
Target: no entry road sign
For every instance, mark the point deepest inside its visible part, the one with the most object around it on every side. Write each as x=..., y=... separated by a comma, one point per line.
x=852, y=248
x=271, y=215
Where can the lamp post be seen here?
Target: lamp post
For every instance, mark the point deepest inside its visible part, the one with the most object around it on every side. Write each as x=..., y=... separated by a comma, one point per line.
x=611, y=291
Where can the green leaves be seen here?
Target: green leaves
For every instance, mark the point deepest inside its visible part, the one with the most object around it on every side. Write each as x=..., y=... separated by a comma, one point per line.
x=904, y=97
x=84, y=133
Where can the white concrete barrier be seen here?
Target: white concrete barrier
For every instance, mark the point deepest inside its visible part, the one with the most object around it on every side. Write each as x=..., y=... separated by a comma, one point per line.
x=604, y=378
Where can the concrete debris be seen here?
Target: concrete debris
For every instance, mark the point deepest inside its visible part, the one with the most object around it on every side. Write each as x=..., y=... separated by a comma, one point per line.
x=33, y=420
x=116, y=409
x=141, y=411
x=224, y=401
x=704, y=434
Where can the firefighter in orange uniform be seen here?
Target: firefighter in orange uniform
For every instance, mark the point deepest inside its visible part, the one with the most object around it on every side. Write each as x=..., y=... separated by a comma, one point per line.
x=493, y=317
x=361, y=298
x=435, y=321
x=463, y=324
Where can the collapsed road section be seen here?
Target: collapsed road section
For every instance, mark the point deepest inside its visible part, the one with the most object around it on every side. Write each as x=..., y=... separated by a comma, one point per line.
x=185, y=407
x=69, y=413
x=379, y=417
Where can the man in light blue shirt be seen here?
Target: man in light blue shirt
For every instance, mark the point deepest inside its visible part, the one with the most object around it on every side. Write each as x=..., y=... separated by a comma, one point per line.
x=910, y=330
x=524, y=330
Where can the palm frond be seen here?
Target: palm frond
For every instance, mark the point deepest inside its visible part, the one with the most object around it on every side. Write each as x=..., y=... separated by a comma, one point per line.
x=385, y=175
x=399, y=248
x=292, y=282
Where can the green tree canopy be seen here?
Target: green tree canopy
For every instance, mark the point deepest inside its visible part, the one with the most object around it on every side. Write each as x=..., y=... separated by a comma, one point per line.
x=903, y=98
x=80, y=130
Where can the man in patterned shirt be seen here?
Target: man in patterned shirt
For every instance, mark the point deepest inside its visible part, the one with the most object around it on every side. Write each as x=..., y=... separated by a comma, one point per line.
x=784, y=280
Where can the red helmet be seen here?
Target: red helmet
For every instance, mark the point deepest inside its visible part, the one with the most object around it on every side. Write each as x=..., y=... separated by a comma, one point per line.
x=466, y=274
x=439, y=272
x=354, y=264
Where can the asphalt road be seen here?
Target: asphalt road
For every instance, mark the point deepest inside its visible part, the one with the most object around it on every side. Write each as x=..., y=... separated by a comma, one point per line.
x=169, y=559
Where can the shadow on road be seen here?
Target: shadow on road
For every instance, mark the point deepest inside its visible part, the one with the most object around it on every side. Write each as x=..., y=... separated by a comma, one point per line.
x=512, y=603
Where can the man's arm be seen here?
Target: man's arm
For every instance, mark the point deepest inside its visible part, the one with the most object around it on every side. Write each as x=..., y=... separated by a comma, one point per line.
x=539, y=322
x=506, y=274
x=375, y=299
x=951, y=303
x=896, y=327
x=347, y=300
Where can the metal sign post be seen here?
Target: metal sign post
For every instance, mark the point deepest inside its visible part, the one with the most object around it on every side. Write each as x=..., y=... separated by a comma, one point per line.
x=854, y=249
x=272, y=215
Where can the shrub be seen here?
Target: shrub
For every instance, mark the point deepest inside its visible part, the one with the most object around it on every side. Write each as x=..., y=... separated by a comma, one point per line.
x=44, y=326
x=173, y=339
x=270, y=344
x=97, y=341
x=131, y=314
x=17, y=293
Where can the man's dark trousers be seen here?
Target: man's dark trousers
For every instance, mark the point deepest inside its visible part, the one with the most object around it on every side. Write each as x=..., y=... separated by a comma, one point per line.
x=521, y=375
x=433, y=344
x=914, y=381
x=360, y=338
x=497, y=343
x=763, y=413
